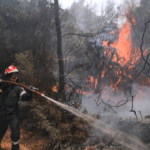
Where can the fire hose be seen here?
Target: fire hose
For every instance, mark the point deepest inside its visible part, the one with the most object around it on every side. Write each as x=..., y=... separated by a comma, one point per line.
x=120, y=137
x=32, y=89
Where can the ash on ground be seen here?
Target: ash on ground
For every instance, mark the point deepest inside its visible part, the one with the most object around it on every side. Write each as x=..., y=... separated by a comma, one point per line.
x=139, y=129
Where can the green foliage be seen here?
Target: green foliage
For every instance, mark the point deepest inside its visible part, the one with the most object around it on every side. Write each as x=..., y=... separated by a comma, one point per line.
x=35, y=75
x=44, y=117
x=23, y=27
x=57, y=125
x=25, y=65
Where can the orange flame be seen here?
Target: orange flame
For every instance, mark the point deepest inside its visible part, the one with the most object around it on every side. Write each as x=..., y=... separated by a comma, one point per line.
x=112, y=32
x=91, y=79
x=103, y=74
x=125, y=50
x=55, y=88
x=96, y=83
x=124, y=43
x=105, y=43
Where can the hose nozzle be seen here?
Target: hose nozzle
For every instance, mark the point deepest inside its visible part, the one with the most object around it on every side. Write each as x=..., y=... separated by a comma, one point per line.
x=33, y=88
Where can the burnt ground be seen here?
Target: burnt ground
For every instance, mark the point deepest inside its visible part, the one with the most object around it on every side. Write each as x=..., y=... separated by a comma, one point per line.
x=137, y=129
x=35, y=141
x=38, y=140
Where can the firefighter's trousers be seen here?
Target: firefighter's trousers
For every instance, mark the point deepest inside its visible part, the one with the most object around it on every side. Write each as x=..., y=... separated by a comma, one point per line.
x=15, y=130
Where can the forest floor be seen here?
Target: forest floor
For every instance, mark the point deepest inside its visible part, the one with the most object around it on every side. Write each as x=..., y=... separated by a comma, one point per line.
x=32, y=140
x=28, y=141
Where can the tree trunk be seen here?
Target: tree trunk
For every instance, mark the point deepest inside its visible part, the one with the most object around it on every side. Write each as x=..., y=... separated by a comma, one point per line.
x=61, y=92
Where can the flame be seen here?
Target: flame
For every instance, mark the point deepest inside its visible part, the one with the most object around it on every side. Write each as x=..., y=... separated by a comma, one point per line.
x=103, y=74
x=91, y=79
x=126, y=53
x=130, y=16
x=124, y=43
x=118, y=81
x=55, y=88
x=112, y=32
x=88, y=90
x=114, y=58
x=124, y=49
x=105, y=43
x=96, y=82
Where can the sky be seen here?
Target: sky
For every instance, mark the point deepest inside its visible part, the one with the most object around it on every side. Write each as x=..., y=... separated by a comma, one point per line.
x=67, y=3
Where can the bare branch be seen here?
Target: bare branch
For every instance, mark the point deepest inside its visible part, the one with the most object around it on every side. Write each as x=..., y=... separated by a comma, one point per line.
x=143, y=43
x=81, y=34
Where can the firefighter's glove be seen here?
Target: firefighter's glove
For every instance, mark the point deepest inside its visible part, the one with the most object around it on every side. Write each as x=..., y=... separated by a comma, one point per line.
x=29, y=91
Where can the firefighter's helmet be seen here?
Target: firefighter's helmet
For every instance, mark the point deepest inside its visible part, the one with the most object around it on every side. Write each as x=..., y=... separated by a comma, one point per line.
x=10, y=69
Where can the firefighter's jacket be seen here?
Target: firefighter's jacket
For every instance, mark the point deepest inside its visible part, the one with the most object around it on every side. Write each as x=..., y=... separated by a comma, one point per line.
x=9, y=99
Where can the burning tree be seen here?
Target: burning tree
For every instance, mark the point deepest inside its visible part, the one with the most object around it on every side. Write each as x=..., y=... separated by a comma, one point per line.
x=96, y=57
x=97, y=53
x=103, y=56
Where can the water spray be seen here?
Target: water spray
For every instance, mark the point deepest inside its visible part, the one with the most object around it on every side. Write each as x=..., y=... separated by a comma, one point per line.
x=119, y=137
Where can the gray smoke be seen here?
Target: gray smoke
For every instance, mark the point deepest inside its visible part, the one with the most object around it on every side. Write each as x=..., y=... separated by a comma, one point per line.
x=141, y=102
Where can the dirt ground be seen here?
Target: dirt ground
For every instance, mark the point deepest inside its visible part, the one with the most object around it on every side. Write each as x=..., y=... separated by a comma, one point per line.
x=28, y=141
x=34, y=141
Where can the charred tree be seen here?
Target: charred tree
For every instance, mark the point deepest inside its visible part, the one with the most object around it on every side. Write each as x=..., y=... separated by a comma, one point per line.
x=61, y=92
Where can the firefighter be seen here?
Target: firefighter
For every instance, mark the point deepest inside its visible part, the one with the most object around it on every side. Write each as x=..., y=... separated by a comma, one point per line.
x=10, y=94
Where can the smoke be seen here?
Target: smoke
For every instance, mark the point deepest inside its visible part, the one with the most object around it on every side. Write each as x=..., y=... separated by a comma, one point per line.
x=140, y=103
x=85, y=16
x=120, y=137
x=123, y=119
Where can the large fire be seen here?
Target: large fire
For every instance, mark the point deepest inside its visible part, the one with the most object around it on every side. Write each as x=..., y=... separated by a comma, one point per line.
x=124, y=43
x=126, y=52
